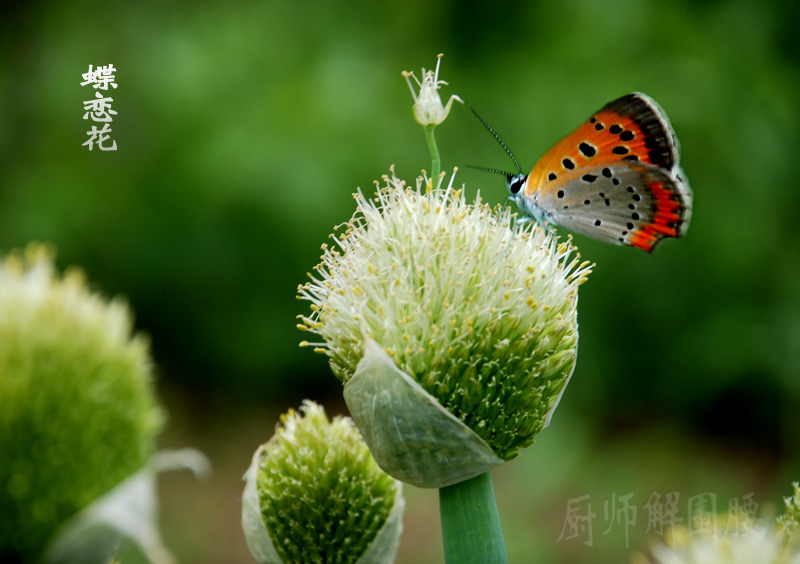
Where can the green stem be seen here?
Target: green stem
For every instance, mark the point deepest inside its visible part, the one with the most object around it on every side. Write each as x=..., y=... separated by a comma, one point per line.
x=470, y=523
x=436, y=165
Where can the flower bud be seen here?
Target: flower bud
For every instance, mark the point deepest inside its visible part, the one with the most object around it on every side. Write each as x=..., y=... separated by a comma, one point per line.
x=314, y=493
x=758, y=544
x=789, y=522
x=78, y=409
x=738, y=538
x=428, y=107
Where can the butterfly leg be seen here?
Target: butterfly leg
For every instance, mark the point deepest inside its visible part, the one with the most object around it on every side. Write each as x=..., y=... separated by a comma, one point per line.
x=524, y=220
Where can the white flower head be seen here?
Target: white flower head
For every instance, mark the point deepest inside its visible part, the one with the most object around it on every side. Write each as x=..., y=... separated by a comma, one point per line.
x=756, y=544
x=428, y=107
x=481, y=313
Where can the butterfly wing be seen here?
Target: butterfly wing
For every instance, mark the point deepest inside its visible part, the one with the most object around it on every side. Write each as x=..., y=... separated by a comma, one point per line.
x=632, y=128
x=627, y=203
x=631, y=139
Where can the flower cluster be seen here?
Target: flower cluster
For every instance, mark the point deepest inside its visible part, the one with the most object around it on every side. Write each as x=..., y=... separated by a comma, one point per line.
x=78, y=408
x=759, y=545
x=481, y=313
x=751, y=541
x=315, y=494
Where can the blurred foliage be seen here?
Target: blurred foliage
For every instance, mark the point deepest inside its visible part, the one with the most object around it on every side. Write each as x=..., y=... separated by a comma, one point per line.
x=243, y=128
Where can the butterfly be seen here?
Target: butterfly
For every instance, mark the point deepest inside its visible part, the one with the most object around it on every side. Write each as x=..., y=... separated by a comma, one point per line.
x=616, y=178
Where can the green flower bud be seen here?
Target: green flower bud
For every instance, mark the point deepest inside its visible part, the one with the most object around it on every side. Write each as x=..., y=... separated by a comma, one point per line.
x=78, y=408
x=789, y=522
x=475, y=322
x=314, y=494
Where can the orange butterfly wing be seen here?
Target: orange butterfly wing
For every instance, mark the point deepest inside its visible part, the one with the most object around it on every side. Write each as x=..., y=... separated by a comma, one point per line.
x=632, y=131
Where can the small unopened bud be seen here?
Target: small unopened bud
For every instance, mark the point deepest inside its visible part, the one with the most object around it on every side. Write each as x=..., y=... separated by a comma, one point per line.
x=315, y=494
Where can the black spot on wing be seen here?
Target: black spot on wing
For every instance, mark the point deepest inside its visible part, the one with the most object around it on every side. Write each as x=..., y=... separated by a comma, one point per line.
x=587, y=150
x=653, y=125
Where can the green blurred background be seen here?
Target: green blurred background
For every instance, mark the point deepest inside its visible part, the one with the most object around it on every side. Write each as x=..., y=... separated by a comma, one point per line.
x=242, y=130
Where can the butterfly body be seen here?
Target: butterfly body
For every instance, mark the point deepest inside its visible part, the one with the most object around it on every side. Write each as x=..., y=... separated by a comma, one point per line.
x=616, y=178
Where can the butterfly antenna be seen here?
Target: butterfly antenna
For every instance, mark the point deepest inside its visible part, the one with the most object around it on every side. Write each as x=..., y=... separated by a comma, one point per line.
x=508, y=175
x=499, y=140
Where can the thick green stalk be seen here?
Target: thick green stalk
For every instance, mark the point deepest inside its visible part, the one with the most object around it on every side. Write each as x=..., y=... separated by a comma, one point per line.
x=436, y=164
x=470, y=523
